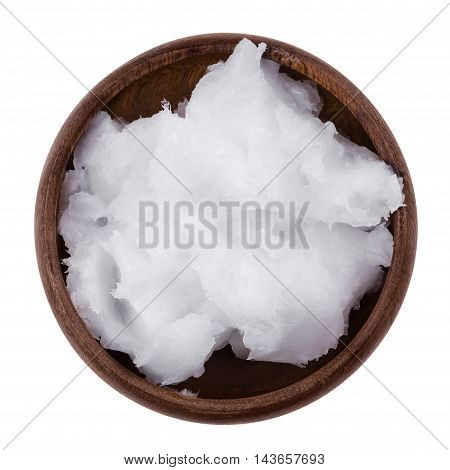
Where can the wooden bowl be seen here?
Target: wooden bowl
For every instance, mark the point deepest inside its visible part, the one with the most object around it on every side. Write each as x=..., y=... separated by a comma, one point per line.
x=231, y=390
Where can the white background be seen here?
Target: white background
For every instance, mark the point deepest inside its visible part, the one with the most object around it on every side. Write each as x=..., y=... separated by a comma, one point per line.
x=358, y=425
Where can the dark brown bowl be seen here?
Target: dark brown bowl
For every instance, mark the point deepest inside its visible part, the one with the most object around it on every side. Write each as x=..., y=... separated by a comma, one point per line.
x=231, y=390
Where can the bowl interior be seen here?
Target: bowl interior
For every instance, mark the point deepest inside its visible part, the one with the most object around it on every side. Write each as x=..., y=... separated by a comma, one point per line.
x=225, y=375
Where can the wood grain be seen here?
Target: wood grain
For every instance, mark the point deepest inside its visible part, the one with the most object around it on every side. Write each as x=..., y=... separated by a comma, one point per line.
x=231, y=390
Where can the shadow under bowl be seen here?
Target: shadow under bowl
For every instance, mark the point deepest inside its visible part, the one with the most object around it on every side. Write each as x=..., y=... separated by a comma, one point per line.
x=231, y=390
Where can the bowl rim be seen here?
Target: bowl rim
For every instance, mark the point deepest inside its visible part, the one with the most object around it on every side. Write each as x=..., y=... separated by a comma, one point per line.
x=165, y=400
